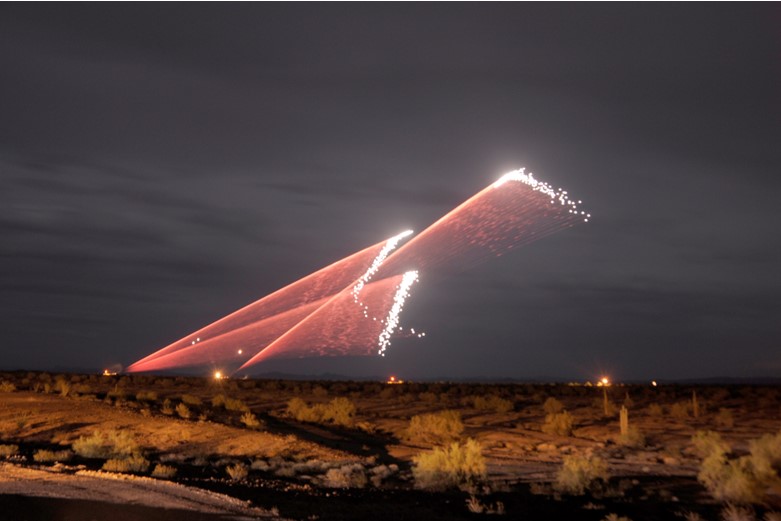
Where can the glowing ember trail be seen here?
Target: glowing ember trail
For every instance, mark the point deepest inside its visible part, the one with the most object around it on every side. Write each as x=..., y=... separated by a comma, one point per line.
x=392, y=322
x=353, y=306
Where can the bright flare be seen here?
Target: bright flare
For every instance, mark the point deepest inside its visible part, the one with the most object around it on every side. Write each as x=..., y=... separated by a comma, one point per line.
x=390, y=245
x=392, y=322
x=555, y=195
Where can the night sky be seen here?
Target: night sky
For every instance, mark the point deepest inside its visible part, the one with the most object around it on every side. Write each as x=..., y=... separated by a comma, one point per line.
x=164, y=165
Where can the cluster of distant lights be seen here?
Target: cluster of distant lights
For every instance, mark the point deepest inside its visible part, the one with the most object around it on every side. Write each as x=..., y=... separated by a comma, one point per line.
x=540, y=186
x=604, y=381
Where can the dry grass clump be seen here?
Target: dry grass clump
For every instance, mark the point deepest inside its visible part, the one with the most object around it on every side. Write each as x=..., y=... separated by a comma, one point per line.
x=134, y=463
x=163, y=471
x=250, y=420
x=492, y=403
x=183, y=411
x=474, y=505
x=438, y=427
x=742, y=480
x=99, y=444
x=51, y=456
x=552, y=406
x=146, y=396
x=7, y=387
x=737, y=513
x=6, y=451
x=346, y=476
x=167, y=408
x=189, y=399
x=655, y=410
x=233, y=404
x=237, y=471
x=457, y=465
x=339, y=411
x=615, y=517
x=580, y=473
x=560, y=423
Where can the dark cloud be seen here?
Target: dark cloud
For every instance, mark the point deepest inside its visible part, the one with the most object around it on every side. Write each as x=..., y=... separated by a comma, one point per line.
x=164, y=164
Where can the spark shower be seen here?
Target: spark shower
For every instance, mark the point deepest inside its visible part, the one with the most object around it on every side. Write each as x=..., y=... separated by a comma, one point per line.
x=354, y=306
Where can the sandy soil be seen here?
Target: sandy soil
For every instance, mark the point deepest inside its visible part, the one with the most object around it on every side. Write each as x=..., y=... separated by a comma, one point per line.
x=102, y=487
x=660, y=473
x=51, y=419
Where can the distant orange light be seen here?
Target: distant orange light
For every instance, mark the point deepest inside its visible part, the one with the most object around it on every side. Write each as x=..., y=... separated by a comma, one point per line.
x=394, y=380
x=653, y=383
x=217, y=375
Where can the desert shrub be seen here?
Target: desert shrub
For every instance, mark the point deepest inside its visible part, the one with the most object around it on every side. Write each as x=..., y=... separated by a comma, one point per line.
x=615, y=517
x=707, y=443
x=427, y=397
x=117, y=393
x=346, y=476
x=189, y=399
x=319, y=391
x=218, y=401
x=163, y=471
x=237, y=472
x=6, y=451
x=457, y=465
x=474, y=505
x=183, y=411
x=339, y=411
x=632, y=438
x=167, y=408
x=62, y=386
x=438, y=427
x=737, y=513
x=250, y=420
x=492, y=403
x=655, y=410
x=146, y=396
x=381, y=472
x=100, y=444
x=765, y=457
x=233, y=404
x=680, y=410
x=580, y=473
x=134, y=463
x=7, y=387
x=552, y=406
x=50, y=456
x=297, y=408
x=724, y=418
x=560, y=423
x=737, y=480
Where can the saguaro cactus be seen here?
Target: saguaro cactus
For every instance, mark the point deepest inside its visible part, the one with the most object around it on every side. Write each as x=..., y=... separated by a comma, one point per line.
x=624, y=421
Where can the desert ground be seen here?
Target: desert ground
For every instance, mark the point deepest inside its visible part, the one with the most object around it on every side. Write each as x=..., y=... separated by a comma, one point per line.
x=205, y=448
